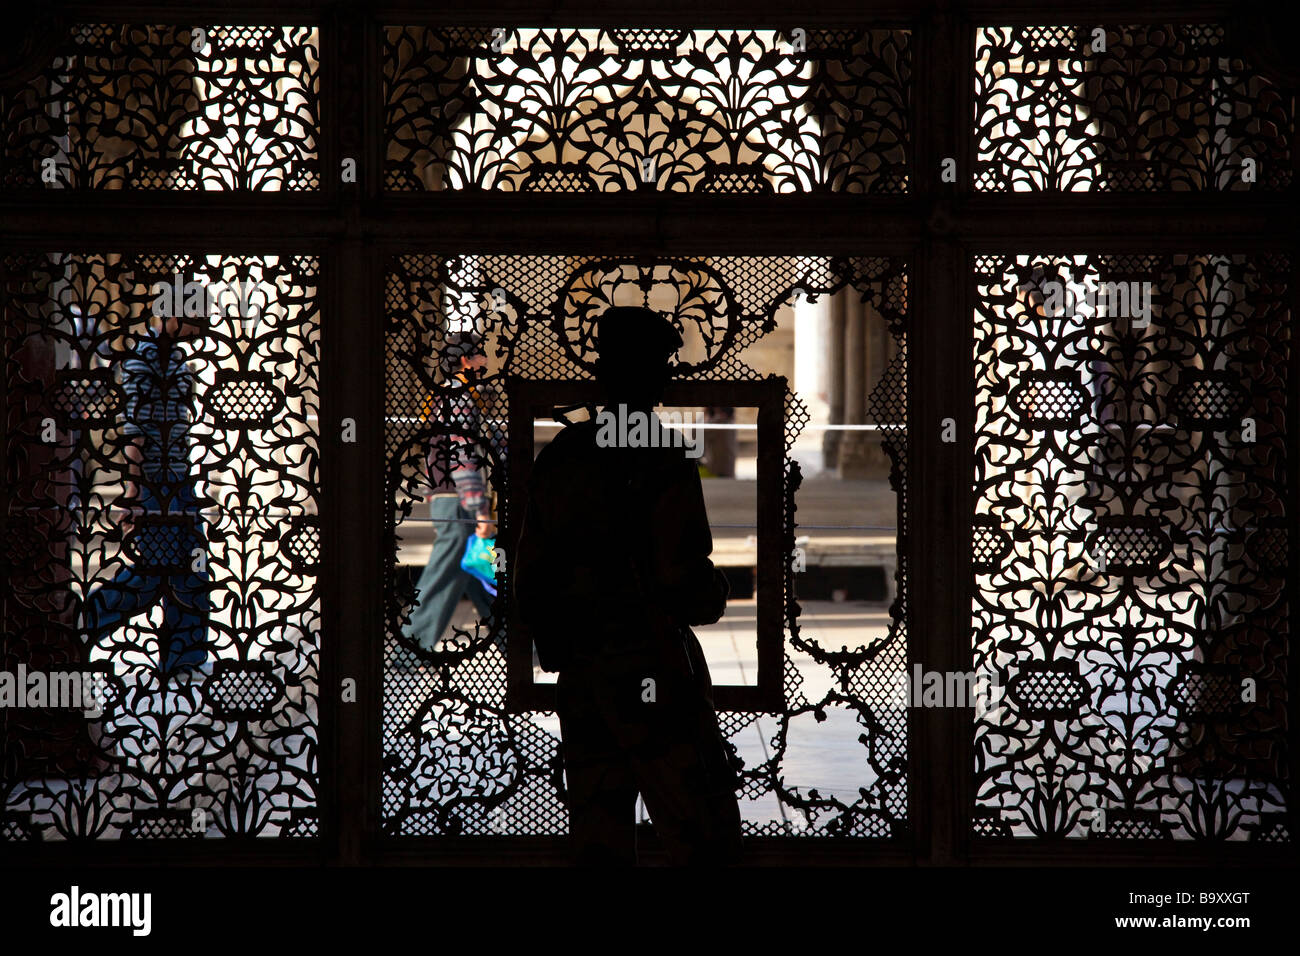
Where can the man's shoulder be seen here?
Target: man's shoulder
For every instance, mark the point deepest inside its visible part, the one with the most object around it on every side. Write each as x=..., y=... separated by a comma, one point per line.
x=574, y=440
x=572, y=447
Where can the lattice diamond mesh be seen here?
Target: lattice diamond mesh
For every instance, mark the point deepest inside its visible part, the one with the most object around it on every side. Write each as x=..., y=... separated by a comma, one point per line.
x=537, y=314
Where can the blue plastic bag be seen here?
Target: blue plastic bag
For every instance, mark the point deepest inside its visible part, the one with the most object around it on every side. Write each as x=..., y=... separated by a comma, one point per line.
x=480, y=561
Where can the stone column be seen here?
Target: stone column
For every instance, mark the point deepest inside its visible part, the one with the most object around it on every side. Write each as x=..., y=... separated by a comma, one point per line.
x=854, y=459
x=835, y=363
x=812, y=374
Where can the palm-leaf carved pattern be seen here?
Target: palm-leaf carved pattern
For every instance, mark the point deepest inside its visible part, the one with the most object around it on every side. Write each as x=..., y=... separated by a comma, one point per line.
x=165, y=107
x=568, y=110
x=1162, y=107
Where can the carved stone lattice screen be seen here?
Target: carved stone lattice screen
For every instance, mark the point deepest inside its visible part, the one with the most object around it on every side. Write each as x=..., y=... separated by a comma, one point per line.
x=1150, y=107
x=1130, y=545
x=109, y=557
x=166, y=107
x=570, y=110
x=1130, y=521
x=457, y=759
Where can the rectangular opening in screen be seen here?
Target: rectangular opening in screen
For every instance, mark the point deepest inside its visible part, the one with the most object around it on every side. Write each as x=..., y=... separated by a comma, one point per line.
x=731, y=432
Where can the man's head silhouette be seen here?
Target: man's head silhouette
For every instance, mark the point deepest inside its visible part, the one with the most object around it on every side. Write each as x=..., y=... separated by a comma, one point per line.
x=634, y=346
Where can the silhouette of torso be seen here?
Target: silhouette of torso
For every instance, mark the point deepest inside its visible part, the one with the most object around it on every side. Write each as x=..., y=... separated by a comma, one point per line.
x=616, y=545
x=613, y=567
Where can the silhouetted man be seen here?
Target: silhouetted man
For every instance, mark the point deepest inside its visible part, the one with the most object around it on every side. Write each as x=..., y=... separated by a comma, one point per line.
x=613, y=567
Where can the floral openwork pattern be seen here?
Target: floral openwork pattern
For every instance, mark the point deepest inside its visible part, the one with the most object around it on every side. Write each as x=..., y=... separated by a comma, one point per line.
x=1140, y=108
x=1130, y=546
x=569, y=110
x=457, y=760
x=163, y=107
x=152, y=501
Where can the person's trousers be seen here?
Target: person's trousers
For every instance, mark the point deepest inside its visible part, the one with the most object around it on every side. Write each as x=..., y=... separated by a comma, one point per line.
x=183, y=594
x=623, y=736
x=443, y=582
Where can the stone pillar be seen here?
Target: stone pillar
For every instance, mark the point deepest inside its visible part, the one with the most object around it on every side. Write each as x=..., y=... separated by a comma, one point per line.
x=881, y=349
x=812, y=375
x=720, y=443
x=854, y=458
x=835, y=363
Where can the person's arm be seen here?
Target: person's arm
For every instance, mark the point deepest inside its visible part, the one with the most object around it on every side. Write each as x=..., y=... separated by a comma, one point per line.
x=466, y=471
x=472, y=490
x=689, y=586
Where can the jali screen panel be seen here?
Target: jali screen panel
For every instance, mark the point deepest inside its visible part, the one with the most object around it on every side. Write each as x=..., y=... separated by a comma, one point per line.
x=457, y=760
x=1127, y=108
x=574, y=110
x=160, y=496
x=1130, y=545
